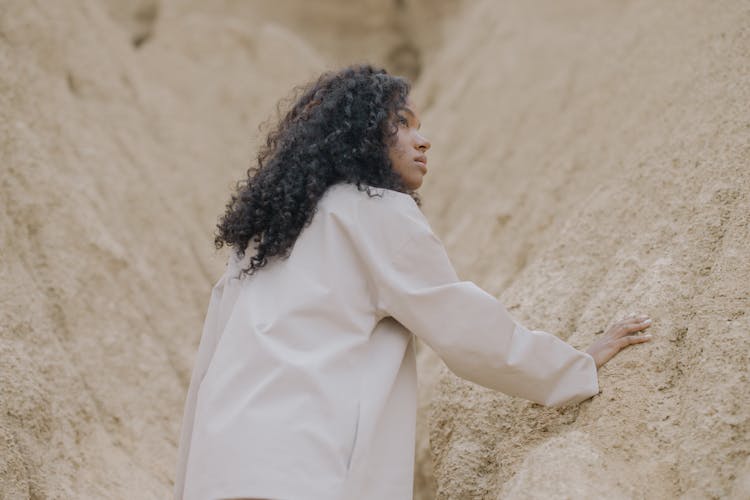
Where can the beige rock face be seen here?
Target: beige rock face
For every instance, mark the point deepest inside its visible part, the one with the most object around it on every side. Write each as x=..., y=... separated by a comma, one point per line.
x=115, y=164
x=123, y=125
x=401, y=34
x=591, y=160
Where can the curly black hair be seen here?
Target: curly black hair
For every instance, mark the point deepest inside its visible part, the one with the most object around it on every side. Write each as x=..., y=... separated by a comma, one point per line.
x=338, y=129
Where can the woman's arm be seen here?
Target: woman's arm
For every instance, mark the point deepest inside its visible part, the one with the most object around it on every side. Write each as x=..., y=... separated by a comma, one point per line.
x=415, y=282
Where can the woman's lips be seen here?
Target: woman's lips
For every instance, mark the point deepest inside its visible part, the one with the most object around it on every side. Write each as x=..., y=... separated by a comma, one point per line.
x=421, y=163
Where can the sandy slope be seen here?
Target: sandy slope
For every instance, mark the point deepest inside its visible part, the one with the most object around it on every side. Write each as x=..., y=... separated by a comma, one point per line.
x=123, y=125
x=588, y=161
x=106, y=257
x=592, y=160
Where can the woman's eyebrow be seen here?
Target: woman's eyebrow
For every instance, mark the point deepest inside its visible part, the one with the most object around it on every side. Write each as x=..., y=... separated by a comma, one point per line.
x=419, y=124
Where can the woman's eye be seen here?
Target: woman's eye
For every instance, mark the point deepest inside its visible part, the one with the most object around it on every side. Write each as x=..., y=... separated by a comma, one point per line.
x=403, y=121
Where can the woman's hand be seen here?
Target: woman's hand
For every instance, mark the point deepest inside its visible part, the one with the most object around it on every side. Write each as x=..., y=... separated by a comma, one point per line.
x=619, y=336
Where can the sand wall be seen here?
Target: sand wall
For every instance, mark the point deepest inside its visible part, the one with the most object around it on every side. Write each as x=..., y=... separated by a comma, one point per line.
x=116, y=161
x=592, y=160
x=123, y=126
x=589, y=160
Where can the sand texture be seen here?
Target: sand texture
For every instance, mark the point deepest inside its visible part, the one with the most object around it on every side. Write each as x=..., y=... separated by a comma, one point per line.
x=116, y=161
x=589, y=159
x=593, y=160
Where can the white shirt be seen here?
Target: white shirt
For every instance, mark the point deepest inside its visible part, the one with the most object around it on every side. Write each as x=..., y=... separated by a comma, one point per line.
x=304, y=385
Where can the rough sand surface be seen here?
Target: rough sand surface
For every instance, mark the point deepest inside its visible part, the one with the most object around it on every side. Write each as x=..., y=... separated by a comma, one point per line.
x=402, y=34
x=115, y=164
x=123, y=125
x=591, y=160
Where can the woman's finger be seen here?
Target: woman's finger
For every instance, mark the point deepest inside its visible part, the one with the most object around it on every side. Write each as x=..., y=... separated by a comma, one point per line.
x=634, y=320
x=638, y=326
x=631, y=326
x=632, y=339
x=618, y=337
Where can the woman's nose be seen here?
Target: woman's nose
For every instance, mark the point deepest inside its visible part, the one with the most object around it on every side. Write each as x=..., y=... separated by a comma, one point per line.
x=423, y=144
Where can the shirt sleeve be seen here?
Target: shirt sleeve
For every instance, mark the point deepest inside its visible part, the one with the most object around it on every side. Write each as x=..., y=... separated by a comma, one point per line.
x=414, y=281
x=206, y=349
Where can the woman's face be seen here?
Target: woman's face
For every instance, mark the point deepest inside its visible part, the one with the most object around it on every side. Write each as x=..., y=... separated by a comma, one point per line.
x=408, y=152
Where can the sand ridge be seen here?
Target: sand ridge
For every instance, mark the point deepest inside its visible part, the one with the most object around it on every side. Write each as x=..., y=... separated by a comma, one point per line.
x=106, y=238
x=588, y=160
x=593, y=162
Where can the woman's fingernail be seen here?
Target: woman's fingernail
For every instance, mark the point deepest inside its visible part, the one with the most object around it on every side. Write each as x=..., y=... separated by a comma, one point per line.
x=647, y=321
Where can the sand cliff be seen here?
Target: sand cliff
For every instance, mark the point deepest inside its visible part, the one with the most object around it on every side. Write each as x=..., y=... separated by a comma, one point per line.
x=593, y=161
x=588, y=161
x=116, y=160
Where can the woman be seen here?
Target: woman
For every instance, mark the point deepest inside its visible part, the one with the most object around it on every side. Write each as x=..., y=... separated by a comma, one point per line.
x=304, y=385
